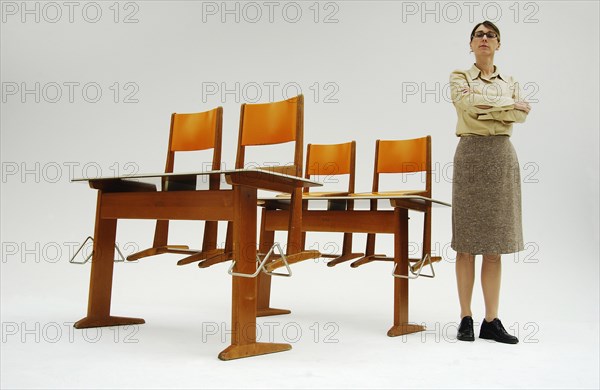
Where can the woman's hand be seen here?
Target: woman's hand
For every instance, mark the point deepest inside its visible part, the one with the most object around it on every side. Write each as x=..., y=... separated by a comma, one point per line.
x=523, y=106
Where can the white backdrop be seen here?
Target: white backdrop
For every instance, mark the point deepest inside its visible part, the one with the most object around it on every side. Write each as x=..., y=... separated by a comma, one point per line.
x=88, y=89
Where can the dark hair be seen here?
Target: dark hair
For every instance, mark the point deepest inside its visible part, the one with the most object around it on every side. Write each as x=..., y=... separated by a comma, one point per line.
x=489, y=25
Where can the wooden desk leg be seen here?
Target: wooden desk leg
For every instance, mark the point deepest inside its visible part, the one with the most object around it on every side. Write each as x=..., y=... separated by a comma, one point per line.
x=294, y=239
x=102, y=275
x=244, y=290
x=263, y=302
x=401, y=324
x=294, y=245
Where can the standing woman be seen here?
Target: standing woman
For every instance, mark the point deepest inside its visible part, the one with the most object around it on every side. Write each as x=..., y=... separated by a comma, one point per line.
x=486, y=192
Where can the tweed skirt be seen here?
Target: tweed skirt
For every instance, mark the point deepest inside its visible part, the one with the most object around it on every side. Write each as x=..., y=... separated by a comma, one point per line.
x=486, y=196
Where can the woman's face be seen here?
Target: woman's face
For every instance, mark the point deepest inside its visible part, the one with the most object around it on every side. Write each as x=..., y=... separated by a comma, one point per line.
x=484, y=45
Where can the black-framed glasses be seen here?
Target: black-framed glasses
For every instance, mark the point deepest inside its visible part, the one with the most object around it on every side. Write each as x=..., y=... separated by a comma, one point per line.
x=489, y=35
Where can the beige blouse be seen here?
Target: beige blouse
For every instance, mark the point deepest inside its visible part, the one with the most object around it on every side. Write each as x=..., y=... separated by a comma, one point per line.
x=469, y=90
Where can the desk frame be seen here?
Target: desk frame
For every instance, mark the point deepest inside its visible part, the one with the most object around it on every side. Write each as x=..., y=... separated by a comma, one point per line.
x=393, y=221
x=124, y=199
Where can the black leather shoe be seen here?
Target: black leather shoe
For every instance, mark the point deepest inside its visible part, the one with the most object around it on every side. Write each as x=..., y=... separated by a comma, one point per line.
x=465, y=330
x=495, y=331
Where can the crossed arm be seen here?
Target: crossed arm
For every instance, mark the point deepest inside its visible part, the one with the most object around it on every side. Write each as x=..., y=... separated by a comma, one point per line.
x=501, y=108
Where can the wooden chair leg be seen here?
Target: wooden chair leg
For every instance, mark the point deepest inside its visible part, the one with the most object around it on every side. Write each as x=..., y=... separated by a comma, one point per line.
x=159, y=246
x=209, y=246
x=200, y=256
x=209, y=241
x=216, y=259
x=369, y=252
x=303, y=240
x=221, y=255
x=295, y=251
x=347, y=253
x=146, y=253
x=161, y=233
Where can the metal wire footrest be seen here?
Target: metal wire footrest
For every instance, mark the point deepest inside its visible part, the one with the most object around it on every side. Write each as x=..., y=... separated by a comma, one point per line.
x=426, y=259
x=261, y=265
x=72, y=260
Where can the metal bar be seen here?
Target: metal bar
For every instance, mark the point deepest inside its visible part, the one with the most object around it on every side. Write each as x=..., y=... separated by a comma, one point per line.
x=72, y=260
x=261, y=265
x=426, y=259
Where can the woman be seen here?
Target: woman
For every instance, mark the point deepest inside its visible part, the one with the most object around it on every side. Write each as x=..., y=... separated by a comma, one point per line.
x=486, y=193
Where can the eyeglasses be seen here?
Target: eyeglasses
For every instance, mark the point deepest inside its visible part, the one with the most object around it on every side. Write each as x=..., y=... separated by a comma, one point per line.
x=481, y=34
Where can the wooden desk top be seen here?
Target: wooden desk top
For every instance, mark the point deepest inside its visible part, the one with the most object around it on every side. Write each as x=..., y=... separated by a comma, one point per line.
x=262, y=173
x=358, y=197
x=190, y=181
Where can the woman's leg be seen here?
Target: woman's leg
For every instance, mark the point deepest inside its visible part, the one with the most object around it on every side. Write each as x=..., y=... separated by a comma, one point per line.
x=465, y=278
x=491, y=272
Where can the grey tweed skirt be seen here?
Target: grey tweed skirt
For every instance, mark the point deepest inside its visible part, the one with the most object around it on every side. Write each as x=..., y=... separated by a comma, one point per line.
x=486, y=196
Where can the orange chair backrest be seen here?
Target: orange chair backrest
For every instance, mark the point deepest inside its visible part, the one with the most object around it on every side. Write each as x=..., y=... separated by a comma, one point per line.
x=333, y=159
x=272, y=123
x=196, y=131
x=402, y=156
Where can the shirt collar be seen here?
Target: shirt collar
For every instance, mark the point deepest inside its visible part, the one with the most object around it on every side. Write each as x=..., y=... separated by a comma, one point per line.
x=474, y=72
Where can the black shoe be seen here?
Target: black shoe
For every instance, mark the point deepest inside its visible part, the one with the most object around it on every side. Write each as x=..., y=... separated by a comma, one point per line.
x=495, y=331
x=465, y=330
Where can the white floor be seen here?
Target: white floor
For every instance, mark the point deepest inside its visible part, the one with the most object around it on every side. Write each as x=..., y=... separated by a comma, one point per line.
x=337, y=329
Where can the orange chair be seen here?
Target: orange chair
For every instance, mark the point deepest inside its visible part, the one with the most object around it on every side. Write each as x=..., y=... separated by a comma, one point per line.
x=401, y=157
x=189, y=132
x=321, y=160
x=327, y=161
x=270, y=124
